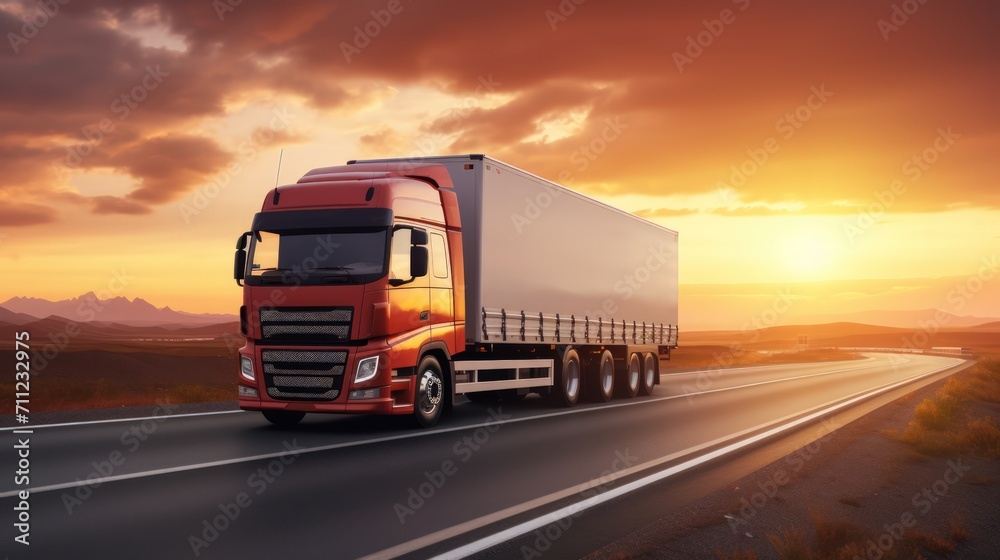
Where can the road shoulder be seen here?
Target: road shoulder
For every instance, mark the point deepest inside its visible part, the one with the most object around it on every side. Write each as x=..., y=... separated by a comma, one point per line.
x=859, y=484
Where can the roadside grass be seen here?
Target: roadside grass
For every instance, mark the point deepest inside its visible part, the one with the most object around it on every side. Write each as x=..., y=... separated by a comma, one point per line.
x=841, y=540
x=942, y=424
x=81, y=395
x=942, y=546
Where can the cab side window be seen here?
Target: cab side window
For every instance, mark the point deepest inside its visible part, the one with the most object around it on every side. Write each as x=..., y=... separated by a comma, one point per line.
x=399, y=261
x=439, y=256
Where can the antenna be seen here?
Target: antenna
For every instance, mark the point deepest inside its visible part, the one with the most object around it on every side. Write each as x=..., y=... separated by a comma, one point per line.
x=278, y=174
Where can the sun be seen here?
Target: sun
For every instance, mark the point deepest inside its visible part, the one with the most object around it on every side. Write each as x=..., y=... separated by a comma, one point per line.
x=809, y=253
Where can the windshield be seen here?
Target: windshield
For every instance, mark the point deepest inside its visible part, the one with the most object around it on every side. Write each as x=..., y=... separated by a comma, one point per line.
x=317, y=257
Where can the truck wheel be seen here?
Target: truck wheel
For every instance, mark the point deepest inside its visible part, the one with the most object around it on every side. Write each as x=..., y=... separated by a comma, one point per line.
x=283, y=418
x=566, y=391
x=650, y=370
x=633, y=376
x=604, y=382
x=430, y=396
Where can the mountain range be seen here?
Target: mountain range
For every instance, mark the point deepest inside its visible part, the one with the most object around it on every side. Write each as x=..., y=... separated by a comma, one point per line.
x=90, y=308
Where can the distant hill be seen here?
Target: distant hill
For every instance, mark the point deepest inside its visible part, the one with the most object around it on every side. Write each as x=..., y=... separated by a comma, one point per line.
x=17, y=319
x=56, y=332
x=905, y=319
x=90, y=308
x=980, y=337
x=790, y=333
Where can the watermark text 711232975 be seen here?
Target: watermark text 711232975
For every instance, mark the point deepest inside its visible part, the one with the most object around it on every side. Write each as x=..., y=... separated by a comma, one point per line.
x=22, y=445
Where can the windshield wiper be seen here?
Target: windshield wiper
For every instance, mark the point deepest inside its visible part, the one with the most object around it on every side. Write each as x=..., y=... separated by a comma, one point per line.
x=346, y=269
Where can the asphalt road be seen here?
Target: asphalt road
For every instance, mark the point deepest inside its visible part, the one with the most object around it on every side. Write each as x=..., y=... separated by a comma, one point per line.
x=228, y=485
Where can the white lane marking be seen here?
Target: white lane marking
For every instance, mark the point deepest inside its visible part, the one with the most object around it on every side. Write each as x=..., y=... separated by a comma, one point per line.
x=264, y=456
x=112, y=420
x=541, y=521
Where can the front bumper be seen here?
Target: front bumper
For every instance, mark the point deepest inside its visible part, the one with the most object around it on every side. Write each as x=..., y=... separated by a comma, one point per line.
x=395, y=394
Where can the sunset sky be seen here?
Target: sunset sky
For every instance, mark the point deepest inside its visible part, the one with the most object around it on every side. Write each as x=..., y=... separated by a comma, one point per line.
x=841, y=154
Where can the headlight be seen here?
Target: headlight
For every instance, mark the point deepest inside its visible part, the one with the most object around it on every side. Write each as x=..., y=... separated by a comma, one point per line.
x=367, y=368
x=246, y=368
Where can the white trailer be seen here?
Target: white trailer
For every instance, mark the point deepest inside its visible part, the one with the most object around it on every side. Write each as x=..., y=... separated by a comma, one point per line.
x=549, y=268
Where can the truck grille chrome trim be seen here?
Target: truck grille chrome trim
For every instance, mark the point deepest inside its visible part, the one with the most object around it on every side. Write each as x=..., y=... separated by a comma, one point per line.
x=333, y=331
x=336, y=314
x=309, y=325
x=303, y=374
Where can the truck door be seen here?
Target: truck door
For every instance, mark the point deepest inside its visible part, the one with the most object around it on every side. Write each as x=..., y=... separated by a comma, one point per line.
x=409, y=303
x=442, y=300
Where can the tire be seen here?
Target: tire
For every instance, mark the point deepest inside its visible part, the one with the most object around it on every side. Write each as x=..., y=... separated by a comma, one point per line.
x=429, y=397
x=633, y=376
x=650, y=373
x=283, y=418
x=568, y=379
x=603, y=380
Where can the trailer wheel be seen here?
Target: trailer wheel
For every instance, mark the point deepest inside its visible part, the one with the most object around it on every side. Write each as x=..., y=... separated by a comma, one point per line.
x=650, y=370
x=283, y=418
x=604, y=382
x=430, y=394
x=566, y=391
x=633, y=376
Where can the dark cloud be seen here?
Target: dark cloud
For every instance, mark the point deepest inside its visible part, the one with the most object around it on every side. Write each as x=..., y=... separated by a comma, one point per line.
x=118, y=205
x=17, y=215
x=681, y=130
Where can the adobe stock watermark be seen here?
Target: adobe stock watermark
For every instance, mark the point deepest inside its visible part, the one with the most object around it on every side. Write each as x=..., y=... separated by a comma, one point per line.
x=294, y=277
x=580, y=160
x=546, y=536
x=562, y=12
x=131, y=439
x=371, y=30
x=783, y=302
x=631, y=283
x=34, y=22
x=913, y=169
x=246, y=151
x=224, y=7
x=122, y=106
x=786, y=127
x=696, y=44
x=958, y=298
x=899, y=17
x=923, y=501
x=780, y=477
x=257, y=483
x=464, y=449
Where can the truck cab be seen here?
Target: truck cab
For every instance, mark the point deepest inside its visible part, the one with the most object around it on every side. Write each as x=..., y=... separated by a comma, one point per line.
x=350, y=302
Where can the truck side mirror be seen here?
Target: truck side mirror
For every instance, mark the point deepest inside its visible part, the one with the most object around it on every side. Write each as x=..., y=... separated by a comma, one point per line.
x=418, y=237
x=240, y=259
x=418, y=261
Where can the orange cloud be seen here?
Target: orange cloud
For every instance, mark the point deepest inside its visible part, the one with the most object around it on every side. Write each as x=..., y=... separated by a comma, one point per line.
x=743, y=113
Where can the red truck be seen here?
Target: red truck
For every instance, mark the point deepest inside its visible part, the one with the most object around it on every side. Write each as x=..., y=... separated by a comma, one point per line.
x=392, y=286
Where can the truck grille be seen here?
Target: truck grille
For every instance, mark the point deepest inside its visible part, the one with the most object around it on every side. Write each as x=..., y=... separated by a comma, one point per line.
x=306, y=325
x=298, y=375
